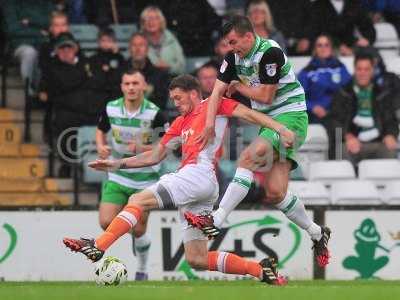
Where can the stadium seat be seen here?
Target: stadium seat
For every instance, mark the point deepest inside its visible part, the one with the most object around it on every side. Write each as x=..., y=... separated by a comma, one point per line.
x=348, y=61
x=22, y=168
x=355, y=192
x=329, y=171
x=86, y=35
x=34, y=199
x=386, y=36
x=312, y=193
x=299, y=62
x=21, y=185
x=169, y=165
x=87, y=152
x=391, y=193
x=123, y=34
x=9, y=134
x=380, y=171
x=228, y=168
x=248, y=133
x=317, y=138
x=193, y=63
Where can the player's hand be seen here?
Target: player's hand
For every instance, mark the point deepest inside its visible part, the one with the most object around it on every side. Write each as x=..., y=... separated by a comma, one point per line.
x=390, y=142
x=288, y=137
x=319, y=111
x=132, y=147
x=105, y=164
x=206, y=137
x=353, y=145
x=104, y=151
x=232, y=88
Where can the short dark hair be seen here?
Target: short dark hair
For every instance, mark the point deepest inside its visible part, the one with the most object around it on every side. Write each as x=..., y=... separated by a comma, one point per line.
x=240, y=24
x=138, y=33
x=364, y=55
x=207, y=65
x=106, y=32
x=186, y=83
x=133, y=71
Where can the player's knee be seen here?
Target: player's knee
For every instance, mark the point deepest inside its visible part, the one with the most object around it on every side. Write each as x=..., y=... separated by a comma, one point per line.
x=245, y=160
x=197, y=262
x=274, y=194
x=104, y=222
x=139, y=230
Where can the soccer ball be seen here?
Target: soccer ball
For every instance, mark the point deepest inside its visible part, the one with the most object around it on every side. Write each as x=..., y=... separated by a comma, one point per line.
x=110, y=271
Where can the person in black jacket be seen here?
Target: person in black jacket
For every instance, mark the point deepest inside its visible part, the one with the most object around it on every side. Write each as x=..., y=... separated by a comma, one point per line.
x=157, y=79
x=105, y=64
x=341, y=19
x=58, y=24
x=362, y=114
x=72, y=92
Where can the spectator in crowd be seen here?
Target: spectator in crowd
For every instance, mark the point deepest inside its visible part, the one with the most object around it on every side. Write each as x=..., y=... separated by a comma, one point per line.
x=207, y=74
x=157, y=79
x=105, y=64
x=195, y=24
x=386, y=80
x=165, y=52
x=260, y=17
x=321, y=78
x=292, y=18
x=365, y=115
x=388, y=9
x=221, y=48
x=70, y=90
x=26, y=23
x=58, y=24
x=345, y=21
x=74, y=9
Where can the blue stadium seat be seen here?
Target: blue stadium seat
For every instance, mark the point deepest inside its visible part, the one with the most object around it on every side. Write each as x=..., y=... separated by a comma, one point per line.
x=86, y=35
x=87, y=152
x=123, y=34
x=193, y=63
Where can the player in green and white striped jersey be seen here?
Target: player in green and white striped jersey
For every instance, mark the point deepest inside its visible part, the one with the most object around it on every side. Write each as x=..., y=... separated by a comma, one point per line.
x=259, y=69
x=131, y=119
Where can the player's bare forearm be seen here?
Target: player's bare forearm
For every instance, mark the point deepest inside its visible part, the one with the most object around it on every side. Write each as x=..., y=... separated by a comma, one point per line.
x=256, y=117
x=263, y=93
x=145, y=159
x=101, y=138
x=214, y=101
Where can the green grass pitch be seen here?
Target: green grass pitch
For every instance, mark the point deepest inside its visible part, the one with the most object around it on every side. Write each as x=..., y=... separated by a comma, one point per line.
x=204, y=290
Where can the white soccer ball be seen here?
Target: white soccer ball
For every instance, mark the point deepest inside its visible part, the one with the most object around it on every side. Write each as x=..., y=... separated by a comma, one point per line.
x=110, y=271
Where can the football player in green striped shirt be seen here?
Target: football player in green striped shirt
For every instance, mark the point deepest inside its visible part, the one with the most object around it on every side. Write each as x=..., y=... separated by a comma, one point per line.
x=131, y=120
x=258, y=69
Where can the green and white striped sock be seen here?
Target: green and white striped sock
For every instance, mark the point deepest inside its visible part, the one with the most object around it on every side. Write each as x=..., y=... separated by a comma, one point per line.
x=235, y=193
x=295, y=211
x=142, y=248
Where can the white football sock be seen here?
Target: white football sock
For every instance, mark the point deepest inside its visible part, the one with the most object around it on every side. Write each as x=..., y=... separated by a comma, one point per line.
x=234, y=194
x=295, y=211
x=142, y=249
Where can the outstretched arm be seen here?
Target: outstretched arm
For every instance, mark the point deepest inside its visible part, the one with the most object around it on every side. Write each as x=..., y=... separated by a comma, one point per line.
x=144, y=159
x=255, y=117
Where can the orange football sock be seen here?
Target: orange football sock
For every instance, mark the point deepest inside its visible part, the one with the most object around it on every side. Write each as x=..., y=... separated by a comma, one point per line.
x=230, y=263
x=120, y=225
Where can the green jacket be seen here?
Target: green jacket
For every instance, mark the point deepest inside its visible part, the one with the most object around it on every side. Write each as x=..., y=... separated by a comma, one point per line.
x=36, y=11
x=170, y=51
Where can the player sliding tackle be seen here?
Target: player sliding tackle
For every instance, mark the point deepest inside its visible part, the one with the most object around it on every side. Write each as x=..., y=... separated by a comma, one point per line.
x=267, y=78
x=194, y=188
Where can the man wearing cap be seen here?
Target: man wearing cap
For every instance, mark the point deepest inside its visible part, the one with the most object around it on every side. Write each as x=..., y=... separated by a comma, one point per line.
x=73, y=93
